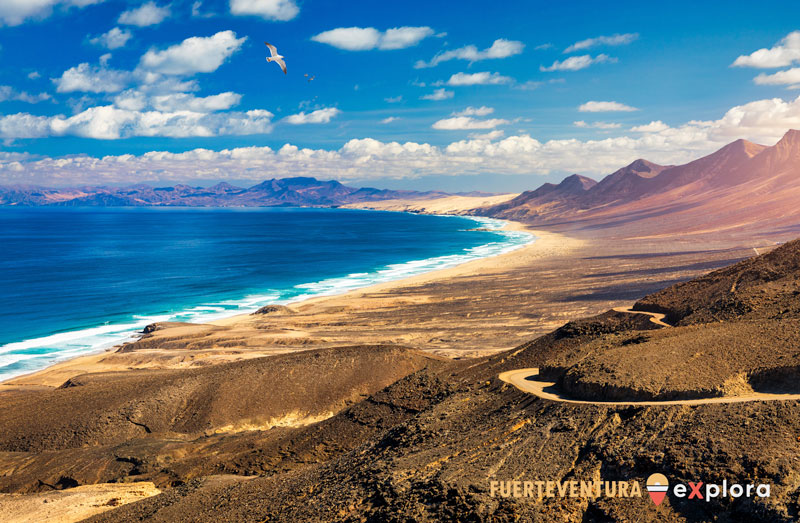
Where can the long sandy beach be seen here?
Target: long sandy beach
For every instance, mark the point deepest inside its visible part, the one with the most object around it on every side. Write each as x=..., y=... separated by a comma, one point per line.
x=474, y=309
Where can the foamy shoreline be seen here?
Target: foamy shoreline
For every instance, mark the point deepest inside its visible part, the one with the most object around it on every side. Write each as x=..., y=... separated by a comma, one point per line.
x=392, y=275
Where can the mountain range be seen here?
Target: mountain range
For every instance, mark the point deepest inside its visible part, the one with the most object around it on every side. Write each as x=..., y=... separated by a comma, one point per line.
x=741, y=188
x=741, y=185
x=300, y=192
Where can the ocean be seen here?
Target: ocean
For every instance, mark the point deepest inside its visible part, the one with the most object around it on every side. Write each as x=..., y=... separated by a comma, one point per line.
x=78, y=280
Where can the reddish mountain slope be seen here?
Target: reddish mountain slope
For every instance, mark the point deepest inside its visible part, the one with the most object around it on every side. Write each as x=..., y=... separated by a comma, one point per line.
x=741, y=187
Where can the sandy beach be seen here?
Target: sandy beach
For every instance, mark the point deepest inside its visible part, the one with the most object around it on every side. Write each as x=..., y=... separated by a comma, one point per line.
x=474, y=309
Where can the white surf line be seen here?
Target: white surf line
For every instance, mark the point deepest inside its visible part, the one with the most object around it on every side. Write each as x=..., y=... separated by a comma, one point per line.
x=528, y=380
x=655, y=317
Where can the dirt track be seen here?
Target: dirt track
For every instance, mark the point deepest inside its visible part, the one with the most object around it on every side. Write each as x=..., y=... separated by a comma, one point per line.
x=527, y=380
x=655, y=317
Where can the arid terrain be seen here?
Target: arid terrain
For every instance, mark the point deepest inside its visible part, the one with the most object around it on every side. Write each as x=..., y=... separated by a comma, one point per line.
x=386, y=404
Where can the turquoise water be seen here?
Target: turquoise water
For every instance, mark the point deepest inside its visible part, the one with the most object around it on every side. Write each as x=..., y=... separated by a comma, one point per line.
x=74, y=281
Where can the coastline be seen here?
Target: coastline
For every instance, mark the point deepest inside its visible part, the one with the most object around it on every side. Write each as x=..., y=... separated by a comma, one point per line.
x=472, y=267
x=542, y=244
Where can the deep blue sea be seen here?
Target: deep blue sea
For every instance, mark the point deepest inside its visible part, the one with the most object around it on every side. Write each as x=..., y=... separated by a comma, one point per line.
x=74, y=281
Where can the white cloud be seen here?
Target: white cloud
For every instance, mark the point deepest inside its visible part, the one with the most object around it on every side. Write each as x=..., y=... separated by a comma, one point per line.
x=368, y=38
x=92, y=79
x=193, y=55
x=762, y=121
x=475, y=111
x=280, y=10
x=144, y=15
x=596, y=125
x=438, y=95
x=604, y=107
x=24, y=125
x=491, y=135
x=652, y=127
x=576, y=63
x=616, y=39
x=464, y=123
x=319, y=116
x=483, y=78
x=113, y=39
x=501, y=48
x=112, y=123
x=8, y=93
x=784, y=53
x=403, y=37
x=16, y=12
x=34, y=75
x=389, y=119
x=790, y=77
x=187, y=102
x=142, y=98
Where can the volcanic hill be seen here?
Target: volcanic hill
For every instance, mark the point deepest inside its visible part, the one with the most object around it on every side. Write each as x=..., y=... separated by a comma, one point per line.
x=394, y=435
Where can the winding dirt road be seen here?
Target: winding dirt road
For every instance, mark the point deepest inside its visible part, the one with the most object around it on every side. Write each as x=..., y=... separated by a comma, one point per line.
x=655, y=317
x=528, y=380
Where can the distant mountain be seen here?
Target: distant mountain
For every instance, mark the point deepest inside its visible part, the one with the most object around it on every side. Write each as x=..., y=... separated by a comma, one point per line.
x=741, y=186
x=295, y=192
x=546, y=199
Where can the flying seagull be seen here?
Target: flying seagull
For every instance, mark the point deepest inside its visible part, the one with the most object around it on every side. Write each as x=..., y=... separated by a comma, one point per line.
x=275, y=57
x=309, y=77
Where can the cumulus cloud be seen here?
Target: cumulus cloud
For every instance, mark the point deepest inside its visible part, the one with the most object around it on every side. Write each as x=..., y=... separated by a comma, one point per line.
x=501, y=48
x=790, y=77
x=112, y=123
x=467, y=123
x=438, y=95
x=394, y=99
x=784, y=53
x=16, y=12
x=369, y=38
x=144, y=15
x=389, y=119
x=762, y=121
x=92, y=79
x=603, y=107
x=483, y=78
x=188, y=102
x=652, y=127
x=596, y=125
x=193, y=55
x=616, y=39
x=319, y=116
x=491, y=135
x=576, y=63
x=113, y=39
x=280, y=10
x=8, y=93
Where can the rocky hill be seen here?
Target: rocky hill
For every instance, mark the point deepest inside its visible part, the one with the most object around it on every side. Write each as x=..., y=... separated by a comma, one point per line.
x=419, y=438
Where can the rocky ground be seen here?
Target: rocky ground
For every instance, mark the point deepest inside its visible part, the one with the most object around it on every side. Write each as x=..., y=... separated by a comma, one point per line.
x=386, y=433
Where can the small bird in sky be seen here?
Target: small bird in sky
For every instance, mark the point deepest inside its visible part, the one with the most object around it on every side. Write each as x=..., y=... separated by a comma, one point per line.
x=275, y=57
x=309, y=77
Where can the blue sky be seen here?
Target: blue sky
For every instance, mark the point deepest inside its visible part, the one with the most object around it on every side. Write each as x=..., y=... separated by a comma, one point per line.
x=405, y=94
